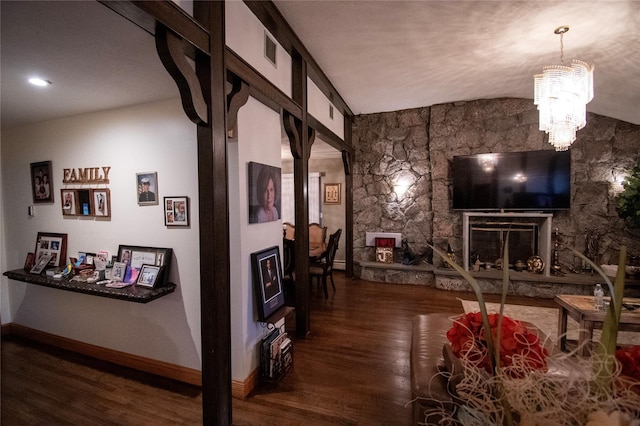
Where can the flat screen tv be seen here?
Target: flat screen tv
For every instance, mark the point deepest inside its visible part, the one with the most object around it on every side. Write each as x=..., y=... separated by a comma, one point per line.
x=512, y=181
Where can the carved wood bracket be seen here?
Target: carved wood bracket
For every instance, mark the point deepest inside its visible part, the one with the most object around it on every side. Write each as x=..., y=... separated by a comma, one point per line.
x=293, y=128
x=172, y=53
x=236, y=98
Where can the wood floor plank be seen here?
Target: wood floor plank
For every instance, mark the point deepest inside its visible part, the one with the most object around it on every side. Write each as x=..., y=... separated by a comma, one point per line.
x=353, y=369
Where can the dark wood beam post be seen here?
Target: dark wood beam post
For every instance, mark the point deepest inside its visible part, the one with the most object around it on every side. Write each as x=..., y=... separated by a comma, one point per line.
x=213, y=191
x=300, y=139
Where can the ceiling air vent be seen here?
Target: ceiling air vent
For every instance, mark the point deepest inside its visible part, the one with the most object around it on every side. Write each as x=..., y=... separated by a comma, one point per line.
x=270, y=49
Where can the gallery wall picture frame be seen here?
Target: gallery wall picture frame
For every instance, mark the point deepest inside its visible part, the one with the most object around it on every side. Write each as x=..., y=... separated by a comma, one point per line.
x=101, y=202
x=148, y=275
x=267, y=280
x=69, y=202
x=265, y=183
x=138, y=256
x=42, y=182
x=176, y=211
x=147, y=188
x=332, y=193
x=54, y=244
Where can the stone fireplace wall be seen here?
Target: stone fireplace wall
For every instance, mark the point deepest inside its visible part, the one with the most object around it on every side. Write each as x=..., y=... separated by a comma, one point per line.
x=402, y=176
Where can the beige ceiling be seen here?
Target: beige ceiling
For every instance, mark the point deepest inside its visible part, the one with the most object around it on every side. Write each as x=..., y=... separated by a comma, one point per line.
x=393, y=55
x=380, y=55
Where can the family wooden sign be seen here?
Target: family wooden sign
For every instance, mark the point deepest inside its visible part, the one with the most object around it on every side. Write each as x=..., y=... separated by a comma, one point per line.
x=87, y=175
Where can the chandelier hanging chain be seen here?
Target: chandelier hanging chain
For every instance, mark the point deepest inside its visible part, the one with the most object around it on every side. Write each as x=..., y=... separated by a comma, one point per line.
x=561, y=48
x=561, y=30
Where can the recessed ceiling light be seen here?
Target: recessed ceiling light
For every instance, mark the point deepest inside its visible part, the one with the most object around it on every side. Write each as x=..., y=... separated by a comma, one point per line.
x=39, y=82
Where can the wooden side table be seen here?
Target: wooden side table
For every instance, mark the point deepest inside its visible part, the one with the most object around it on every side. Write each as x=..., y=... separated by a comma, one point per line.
x=581, y=309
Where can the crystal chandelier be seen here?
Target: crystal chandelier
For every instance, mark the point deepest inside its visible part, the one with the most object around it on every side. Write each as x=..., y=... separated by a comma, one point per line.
x=562, y=94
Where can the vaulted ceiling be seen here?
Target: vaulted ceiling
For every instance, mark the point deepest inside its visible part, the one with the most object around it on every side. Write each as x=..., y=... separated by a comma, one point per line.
x=380, y=55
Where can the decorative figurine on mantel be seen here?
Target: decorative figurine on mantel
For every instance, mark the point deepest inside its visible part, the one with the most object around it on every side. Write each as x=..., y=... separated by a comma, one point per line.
x=450, y=255
x=407, y=256
x=556, y=268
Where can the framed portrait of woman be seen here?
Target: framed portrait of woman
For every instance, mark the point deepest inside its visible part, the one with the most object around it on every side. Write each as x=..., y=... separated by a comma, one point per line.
x=264, y=193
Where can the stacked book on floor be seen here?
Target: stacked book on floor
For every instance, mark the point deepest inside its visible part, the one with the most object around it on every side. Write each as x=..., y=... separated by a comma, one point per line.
x=276, y=355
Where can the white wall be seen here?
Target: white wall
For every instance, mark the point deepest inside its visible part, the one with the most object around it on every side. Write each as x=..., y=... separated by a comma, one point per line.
x=259, y=135
x=244, y=35
x=319, y=105
x=152, y=137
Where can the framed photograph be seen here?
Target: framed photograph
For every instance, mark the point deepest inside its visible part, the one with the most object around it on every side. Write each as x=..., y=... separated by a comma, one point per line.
x=138, y=256
x=41, y=264
x=118, y=271
x=69, y=202
x=28, y=262
x=332, y=193
x=101, y=201
x=147, y=188
x=264, y=193
x=176, y=211
x=41, y=182
x=148, y=275
x=84, y=206
x=267, y=280
x=52, y=244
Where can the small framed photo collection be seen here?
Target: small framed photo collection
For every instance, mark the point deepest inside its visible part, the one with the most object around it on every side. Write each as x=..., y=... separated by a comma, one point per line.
x=176, y=211
x=86, y=202
x=50, y=246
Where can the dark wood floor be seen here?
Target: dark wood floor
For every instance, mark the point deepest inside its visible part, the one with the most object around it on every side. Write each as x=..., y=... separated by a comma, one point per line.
x=352, y=370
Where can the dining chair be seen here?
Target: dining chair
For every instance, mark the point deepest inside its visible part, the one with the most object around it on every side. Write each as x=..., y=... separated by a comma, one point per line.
x=289, y=231
x=320, y=270
x=288, y=272
x=317, y=233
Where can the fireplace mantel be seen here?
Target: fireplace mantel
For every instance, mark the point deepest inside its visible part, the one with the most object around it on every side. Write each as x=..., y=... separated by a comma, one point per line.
x=544, y=235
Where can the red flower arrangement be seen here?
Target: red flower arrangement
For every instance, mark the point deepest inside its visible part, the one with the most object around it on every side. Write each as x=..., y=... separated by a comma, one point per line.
x=518, y=345
x=629, y=358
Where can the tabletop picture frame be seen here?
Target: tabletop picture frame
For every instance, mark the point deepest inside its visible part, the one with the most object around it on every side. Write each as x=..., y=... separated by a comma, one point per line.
x=148, y=275
x=42, y=182
x=138, y=256
x=267, y=280
x=176, y=211
x=54, y=244
x=118, y=271
x=332, y=193
x=41, y=264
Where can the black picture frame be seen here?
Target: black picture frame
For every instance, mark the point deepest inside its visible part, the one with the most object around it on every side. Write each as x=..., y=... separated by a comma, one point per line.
x=176, y=211
x=138, y=256
x=268, y=291
x=42, y=182
x=148, y=276
x=259, y=177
